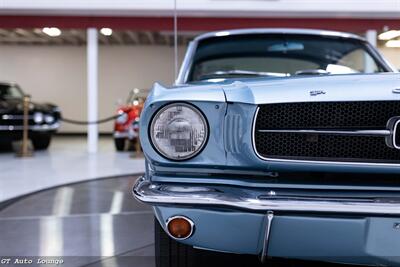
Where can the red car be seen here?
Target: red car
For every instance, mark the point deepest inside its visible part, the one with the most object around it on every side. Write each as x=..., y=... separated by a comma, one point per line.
x=126, y=126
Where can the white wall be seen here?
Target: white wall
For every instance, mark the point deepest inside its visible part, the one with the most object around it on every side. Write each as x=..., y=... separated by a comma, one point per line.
x=392, y=54
x=57, y=74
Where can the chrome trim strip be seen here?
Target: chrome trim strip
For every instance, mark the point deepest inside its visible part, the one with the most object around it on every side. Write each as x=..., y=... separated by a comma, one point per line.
x=269, y=218
x=45, y=127
x=383, y=133
x=327, y=162
x=187, y=62
x=278, y=31
x=394, y=134
x=14, y=117
x=180, y=217
x=37, y=128
x=158, y=194
x=188, y=59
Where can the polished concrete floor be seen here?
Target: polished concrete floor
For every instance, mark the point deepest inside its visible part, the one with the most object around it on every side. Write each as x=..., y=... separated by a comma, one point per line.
x=95, y=223
x=66, y=161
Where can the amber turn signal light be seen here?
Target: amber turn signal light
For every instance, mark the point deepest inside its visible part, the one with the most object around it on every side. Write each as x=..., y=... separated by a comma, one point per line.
x=180, y=227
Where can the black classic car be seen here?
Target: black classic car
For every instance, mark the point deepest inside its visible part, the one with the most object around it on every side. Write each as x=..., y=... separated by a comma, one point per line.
x=43, y=118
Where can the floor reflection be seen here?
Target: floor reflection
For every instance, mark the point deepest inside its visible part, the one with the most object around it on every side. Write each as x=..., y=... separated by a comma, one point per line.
x=95, y=223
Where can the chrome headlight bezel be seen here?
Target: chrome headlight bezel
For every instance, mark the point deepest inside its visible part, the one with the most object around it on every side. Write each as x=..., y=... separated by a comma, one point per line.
x=157, y=115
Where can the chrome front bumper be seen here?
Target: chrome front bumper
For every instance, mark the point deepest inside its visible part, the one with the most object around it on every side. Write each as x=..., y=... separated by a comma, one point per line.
x=126, y=134
x=257, y=199
x=37, y=128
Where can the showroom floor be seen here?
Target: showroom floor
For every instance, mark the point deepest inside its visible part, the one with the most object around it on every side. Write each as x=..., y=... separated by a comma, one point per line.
x=91, y=223
x=66, y=161
x=95, y=224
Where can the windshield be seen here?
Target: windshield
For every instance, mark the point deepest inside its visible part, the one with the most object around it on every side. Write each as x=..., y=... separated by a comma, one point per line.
x=281, y=55
x=9, y=92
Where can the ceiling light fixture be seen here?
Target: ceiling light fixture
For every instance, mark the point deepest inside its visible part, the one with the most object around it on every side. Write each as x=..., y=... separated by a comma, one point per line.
x=393, y=43
x=52, y=31
x=106, y=31
x=389, y=35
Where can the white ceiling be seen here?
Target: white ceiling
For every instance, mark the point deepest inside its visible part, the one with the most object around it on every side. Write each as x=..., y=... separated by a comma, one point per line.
x=221, y=8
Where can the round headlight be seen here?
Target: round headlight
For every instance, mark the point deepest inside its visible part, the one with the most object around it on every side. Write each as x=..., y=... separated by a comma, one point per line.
x=179, y=131
x=38, y=117
x=49, y=119
x=122, y=118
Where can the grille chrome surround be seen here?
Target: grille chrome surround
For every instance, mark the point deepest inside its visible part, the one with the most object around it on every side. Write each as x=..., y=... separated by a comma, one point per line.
x=350, y=115
x=384, y=133
x=381, y=133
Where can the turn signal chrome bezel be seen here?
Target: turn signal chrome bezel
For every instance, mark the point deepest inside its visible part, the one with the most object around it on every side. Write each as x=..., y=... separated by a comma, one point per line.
x=179, y=219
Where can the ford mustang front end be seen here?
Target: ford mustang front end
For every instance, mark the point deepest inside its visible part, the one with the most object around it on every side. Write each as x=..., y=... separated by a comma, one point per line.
x=300, y=164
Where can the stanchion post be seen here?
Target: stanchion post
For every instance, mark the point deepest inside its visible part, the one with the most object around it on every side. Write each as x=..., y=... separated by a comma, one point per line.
x=138, y=148
x=24, y=150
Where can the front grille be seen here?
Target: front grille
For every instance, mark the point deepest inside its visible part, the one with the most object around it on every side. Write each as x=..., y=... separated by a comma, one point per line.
x=339, y=116
x=314, y=115
x=14, y=120
x=325, y=147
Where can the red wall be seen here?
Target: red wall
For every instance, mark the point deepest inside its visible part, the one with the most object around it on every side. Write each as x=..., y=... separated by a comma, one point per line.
x=195, y=23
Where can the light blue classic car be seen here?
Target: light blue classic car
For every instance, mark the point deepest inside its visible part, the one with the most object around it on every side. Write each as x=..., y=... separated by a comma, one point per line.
x=279, y=143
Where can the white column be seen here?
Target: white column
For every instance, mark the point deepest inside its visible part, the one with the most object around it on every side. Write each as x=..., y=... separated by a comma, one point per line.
x=92, y=89
x=371, y=36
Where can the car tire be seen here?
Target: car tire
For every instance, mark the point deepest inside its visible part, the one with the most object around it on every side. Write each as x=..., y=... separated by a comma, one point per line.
x=170, y=253
x=132, y=145
x=119, y=144
x=41, y=141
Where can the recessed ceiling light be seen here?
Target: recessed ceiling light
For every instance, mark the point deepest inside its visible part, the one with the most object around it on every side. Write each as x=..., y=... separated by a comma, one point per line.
x=106, y=31
x=389, y=35
x=393, y=43
x=52, y=31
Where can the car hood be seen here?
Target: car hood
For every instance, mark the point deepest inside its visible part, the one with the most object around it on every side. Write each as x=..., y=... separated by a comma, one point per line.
x=354, y=87
x=203, y=92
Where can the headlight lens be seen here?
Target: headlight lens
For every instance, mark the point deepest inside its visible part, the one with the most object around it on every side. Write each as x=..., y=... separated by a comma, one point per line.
x=49, y=119
x=178, y=131
x=38, y=117
x=122, y=118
